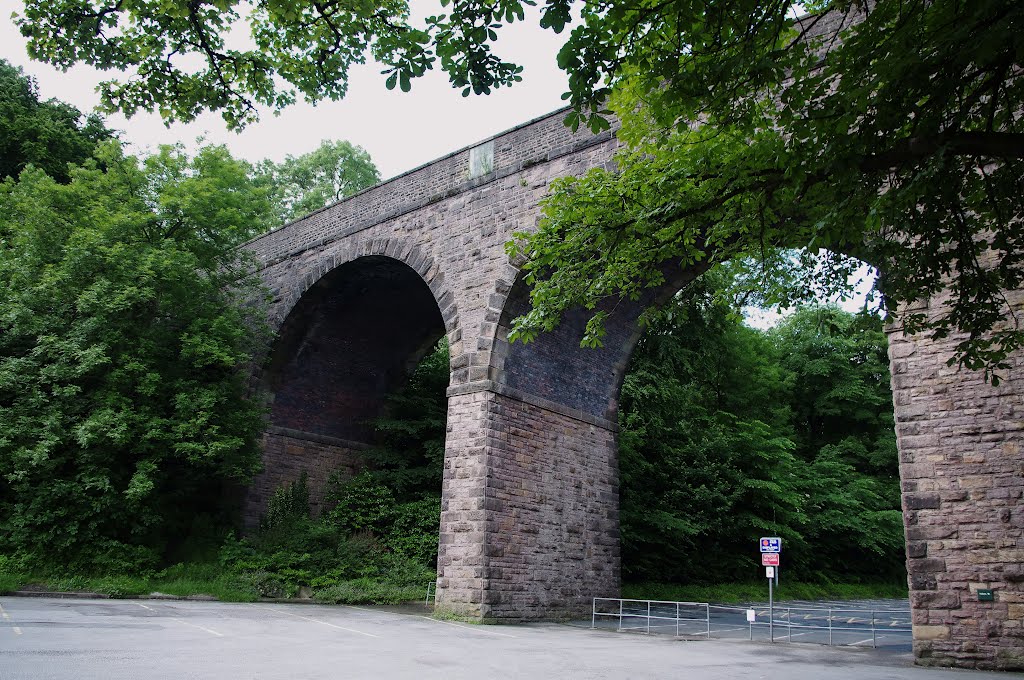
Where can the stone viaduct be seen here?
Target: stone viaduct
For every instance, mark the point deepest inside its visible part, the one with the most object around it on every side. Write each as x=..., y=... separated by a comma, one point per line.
x=529, y=524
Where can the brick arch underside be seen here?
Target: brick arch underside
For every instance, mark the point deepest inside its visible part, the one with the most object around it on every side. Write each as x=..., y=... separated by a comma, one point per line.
x=587, y=381
x=352, y=338
x=554, y=368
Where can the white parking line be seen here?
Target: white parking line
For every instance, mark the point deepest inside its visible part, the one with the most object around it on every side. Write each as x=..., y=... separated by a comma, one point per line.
x=323, y=623
x=208, y=630
x=475, y=629
x=861, y=642
x=184, y=622
x=16, y=629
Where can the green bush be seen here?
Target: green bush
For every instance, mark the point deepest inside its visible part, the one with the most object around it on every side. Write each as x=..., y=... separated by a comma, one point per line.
x=269, y=584
x=414, y=527
x=340, y=556
x=11, y=581
x=370, y=591
x=290, y=503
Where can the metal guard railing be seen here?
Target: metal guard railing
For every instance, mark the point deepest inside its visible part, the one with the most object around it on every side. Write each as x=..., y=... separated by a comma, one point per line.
x=695, y=619
x=655, y=615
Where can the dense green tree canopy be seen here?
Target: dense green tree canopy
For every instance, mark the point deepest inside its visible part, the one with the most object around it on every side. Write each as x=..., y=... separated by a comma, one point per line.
x=895, y=140
x=47, y=134
x=887, y=130
x=729, y=433
x=128, y=320
x=186, y=61
x=301, y=184
x=123, y=406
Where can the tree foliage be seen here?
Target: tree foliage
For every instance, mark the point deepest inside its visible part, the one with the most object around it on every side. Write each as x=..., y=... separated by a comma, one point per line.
x=188, y=57
x=329, y=173
x=838, y=382
x=888, y=131
x=125, y=317
x=47, y=134
x=729, y=433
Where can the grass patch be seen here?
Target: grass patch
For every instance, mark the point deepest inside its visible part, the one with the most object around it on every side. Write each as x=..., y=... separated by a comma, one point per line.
x=445, y=614
x=181, y=580
x=221, y=582
x=119, y=586
x=758, y=591
x=11, y=581
x=369, y=591
x=204, y=579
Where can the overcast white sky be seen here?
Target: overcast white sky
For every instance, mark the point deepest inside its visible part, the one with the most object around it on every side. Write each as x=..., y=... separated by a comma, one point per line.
x=400, y=130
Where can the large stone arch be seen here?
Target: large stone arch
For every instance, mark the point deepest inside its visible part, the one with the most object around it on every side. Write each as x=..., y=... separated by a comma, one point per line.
x=404, y=250
x=529, y=526
x=347, y=335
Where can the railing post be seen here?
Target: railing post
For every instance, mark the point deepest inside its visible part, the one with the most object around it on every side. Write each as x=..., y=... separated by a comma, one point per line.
x=789, y=624
x=593, y=615
x=620, y=615
x=648, y=617
x=830, y=626
x=873, y=645
x=707, y=617
x=677, y=619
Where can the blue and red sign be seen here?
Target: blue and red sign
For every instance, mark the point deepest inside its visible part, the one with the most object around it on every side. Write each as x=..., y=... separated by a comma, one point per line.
x=771, y=544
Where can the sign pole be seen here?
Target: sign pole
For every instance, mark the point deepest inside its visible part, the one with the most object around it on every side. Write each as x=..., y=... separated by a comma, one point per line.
x=771, y=549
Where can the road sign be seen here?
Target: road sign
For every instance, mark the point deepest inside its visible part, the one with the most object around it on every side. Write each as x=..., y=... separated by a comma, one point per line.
x=769, y=572
x=771, y=544
x=769, y=559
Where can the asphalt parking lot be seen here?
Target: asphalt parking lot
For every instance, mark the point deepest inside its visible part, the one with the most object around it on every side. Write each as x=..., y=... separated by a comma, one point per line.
x=42, y=638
